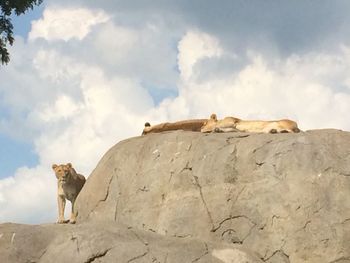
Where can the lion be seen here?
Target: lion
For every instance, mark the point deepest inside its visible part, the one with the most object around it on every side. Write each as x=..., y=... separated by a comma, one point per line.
x=230, y=124
x=186, y=125
x=214, y=125
x=69, y=185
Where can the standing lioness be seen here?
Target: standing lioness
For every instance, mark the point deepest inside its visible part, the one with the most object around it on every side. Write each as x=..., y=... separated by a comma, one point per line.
x=69, y=185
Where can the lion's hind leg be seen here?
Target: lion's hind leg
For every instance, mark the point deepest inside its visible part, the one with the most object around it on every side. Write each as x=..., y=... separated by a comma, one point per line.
x=73, y=215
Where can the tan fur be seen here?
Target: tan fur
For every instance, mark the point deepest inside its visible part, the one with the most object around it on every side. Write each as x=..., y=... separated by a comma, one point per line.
x=69, y=184
x=229, y=124
x=186, y=125
x=214, y=125
x=277, y=126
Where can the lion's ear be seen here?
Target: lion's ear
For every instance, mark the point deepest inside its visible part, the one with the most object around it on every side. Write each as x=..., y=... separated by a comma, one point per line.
x=54, y=166
x=69, y=165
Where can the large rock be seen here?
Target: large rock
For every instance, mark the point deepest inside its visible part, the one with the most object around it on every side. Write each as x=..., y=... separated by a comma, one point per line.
x=285, y=196
x=108, y=242
x=192, y=197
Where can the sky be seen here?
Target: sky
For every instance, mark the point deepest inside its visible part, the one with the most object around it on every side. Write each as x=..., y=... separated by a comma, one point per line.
x=85, y=75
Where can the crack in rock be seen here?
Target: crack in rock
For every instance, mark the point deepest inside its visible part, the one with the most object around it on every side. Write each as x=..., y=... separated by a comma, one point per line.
x=107, y=193
x=203, y=255
x=259, y=163
x=345, y=221
x=347, y=258
x=182, y=236
x=277, y=217
x=274, y=253
x=187, y=167
x=262, y=146
x=171, y=176
x=104, y=198
x=74, y=238
x=44, y=252
x=116, y=210
x=97, y=255
x=280, y=250
x=204, y=203
x=189, y=147
x=145, y=243
x=304, y=226
x=236, y=240
x=138, y=257
x=228, y=143
x=243, y=136
x=237, y=197
x=143, y=189
x=231, y=218
x=119, y=194
x=334, y=170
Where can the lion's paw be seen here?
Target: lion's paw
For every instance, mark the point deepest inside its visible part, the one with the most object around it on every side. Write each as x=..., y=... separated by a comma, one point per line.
x=62, y=221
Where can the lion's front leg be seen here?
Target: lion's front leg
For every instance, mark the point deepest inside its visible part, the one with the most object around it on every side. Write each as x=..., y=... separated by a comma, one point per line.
x=73, y=216
x=61, y=205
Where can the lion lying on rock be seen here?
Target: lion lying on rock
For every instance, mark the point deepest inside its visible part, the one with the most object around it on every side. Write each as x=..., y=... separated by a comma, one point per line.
x=186, y=125
x=230, y=124
x=69, y=185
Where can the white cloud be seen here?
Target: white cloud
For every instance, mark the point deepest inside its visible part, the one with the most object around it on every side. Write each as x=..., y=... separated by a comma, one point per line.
x=82, y=127
x=115, y=42
x=75, y=99
x=193, y=47
x=28, y=196
x=302, y=87
x=65, y=24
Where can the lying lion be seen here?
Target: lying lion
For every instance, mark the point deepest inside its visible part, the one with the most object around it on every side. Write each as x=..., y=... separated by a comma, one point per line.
x=69, y=185
x=186, y=125
x=230, y=124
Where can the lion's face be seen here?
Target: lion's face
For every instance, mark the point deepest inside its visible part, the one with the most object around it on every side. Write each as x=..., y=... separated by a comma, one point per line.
x=62, y=172
x=209, y=125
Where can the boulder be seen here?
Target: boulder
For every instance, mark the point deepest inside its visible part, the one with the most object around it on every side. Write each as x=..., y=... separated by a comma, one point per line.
x=108, y=242
x=285, y=196
x=191, y=197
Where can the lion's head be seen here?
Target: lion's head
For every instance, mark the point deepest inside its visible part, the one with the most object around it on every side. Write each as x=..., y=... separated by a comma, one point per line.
x=63, y=172
x=209, y=125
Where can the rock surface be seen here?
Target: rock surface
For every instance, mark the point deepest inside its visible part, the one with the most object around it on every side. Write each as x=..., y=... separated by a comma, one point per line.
x=285, y=196
x=108, y=242
x=192, y=197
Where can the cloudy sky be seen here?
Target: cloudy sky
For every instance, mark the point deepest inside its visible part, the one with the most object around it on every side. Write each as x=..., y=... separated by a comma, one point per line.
x=84, y=76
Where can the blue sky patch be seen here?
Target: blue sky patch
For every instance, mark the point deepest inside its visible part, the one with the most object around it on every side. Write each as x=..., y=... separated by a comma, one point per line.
x=15, y=154
x=22, y=24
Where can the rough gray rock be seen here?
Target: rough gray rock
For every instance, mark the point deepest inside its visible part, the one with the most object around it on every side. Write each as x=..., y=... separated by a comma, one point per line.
x=108, y=242
x=192, y=197
x=285, y=196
